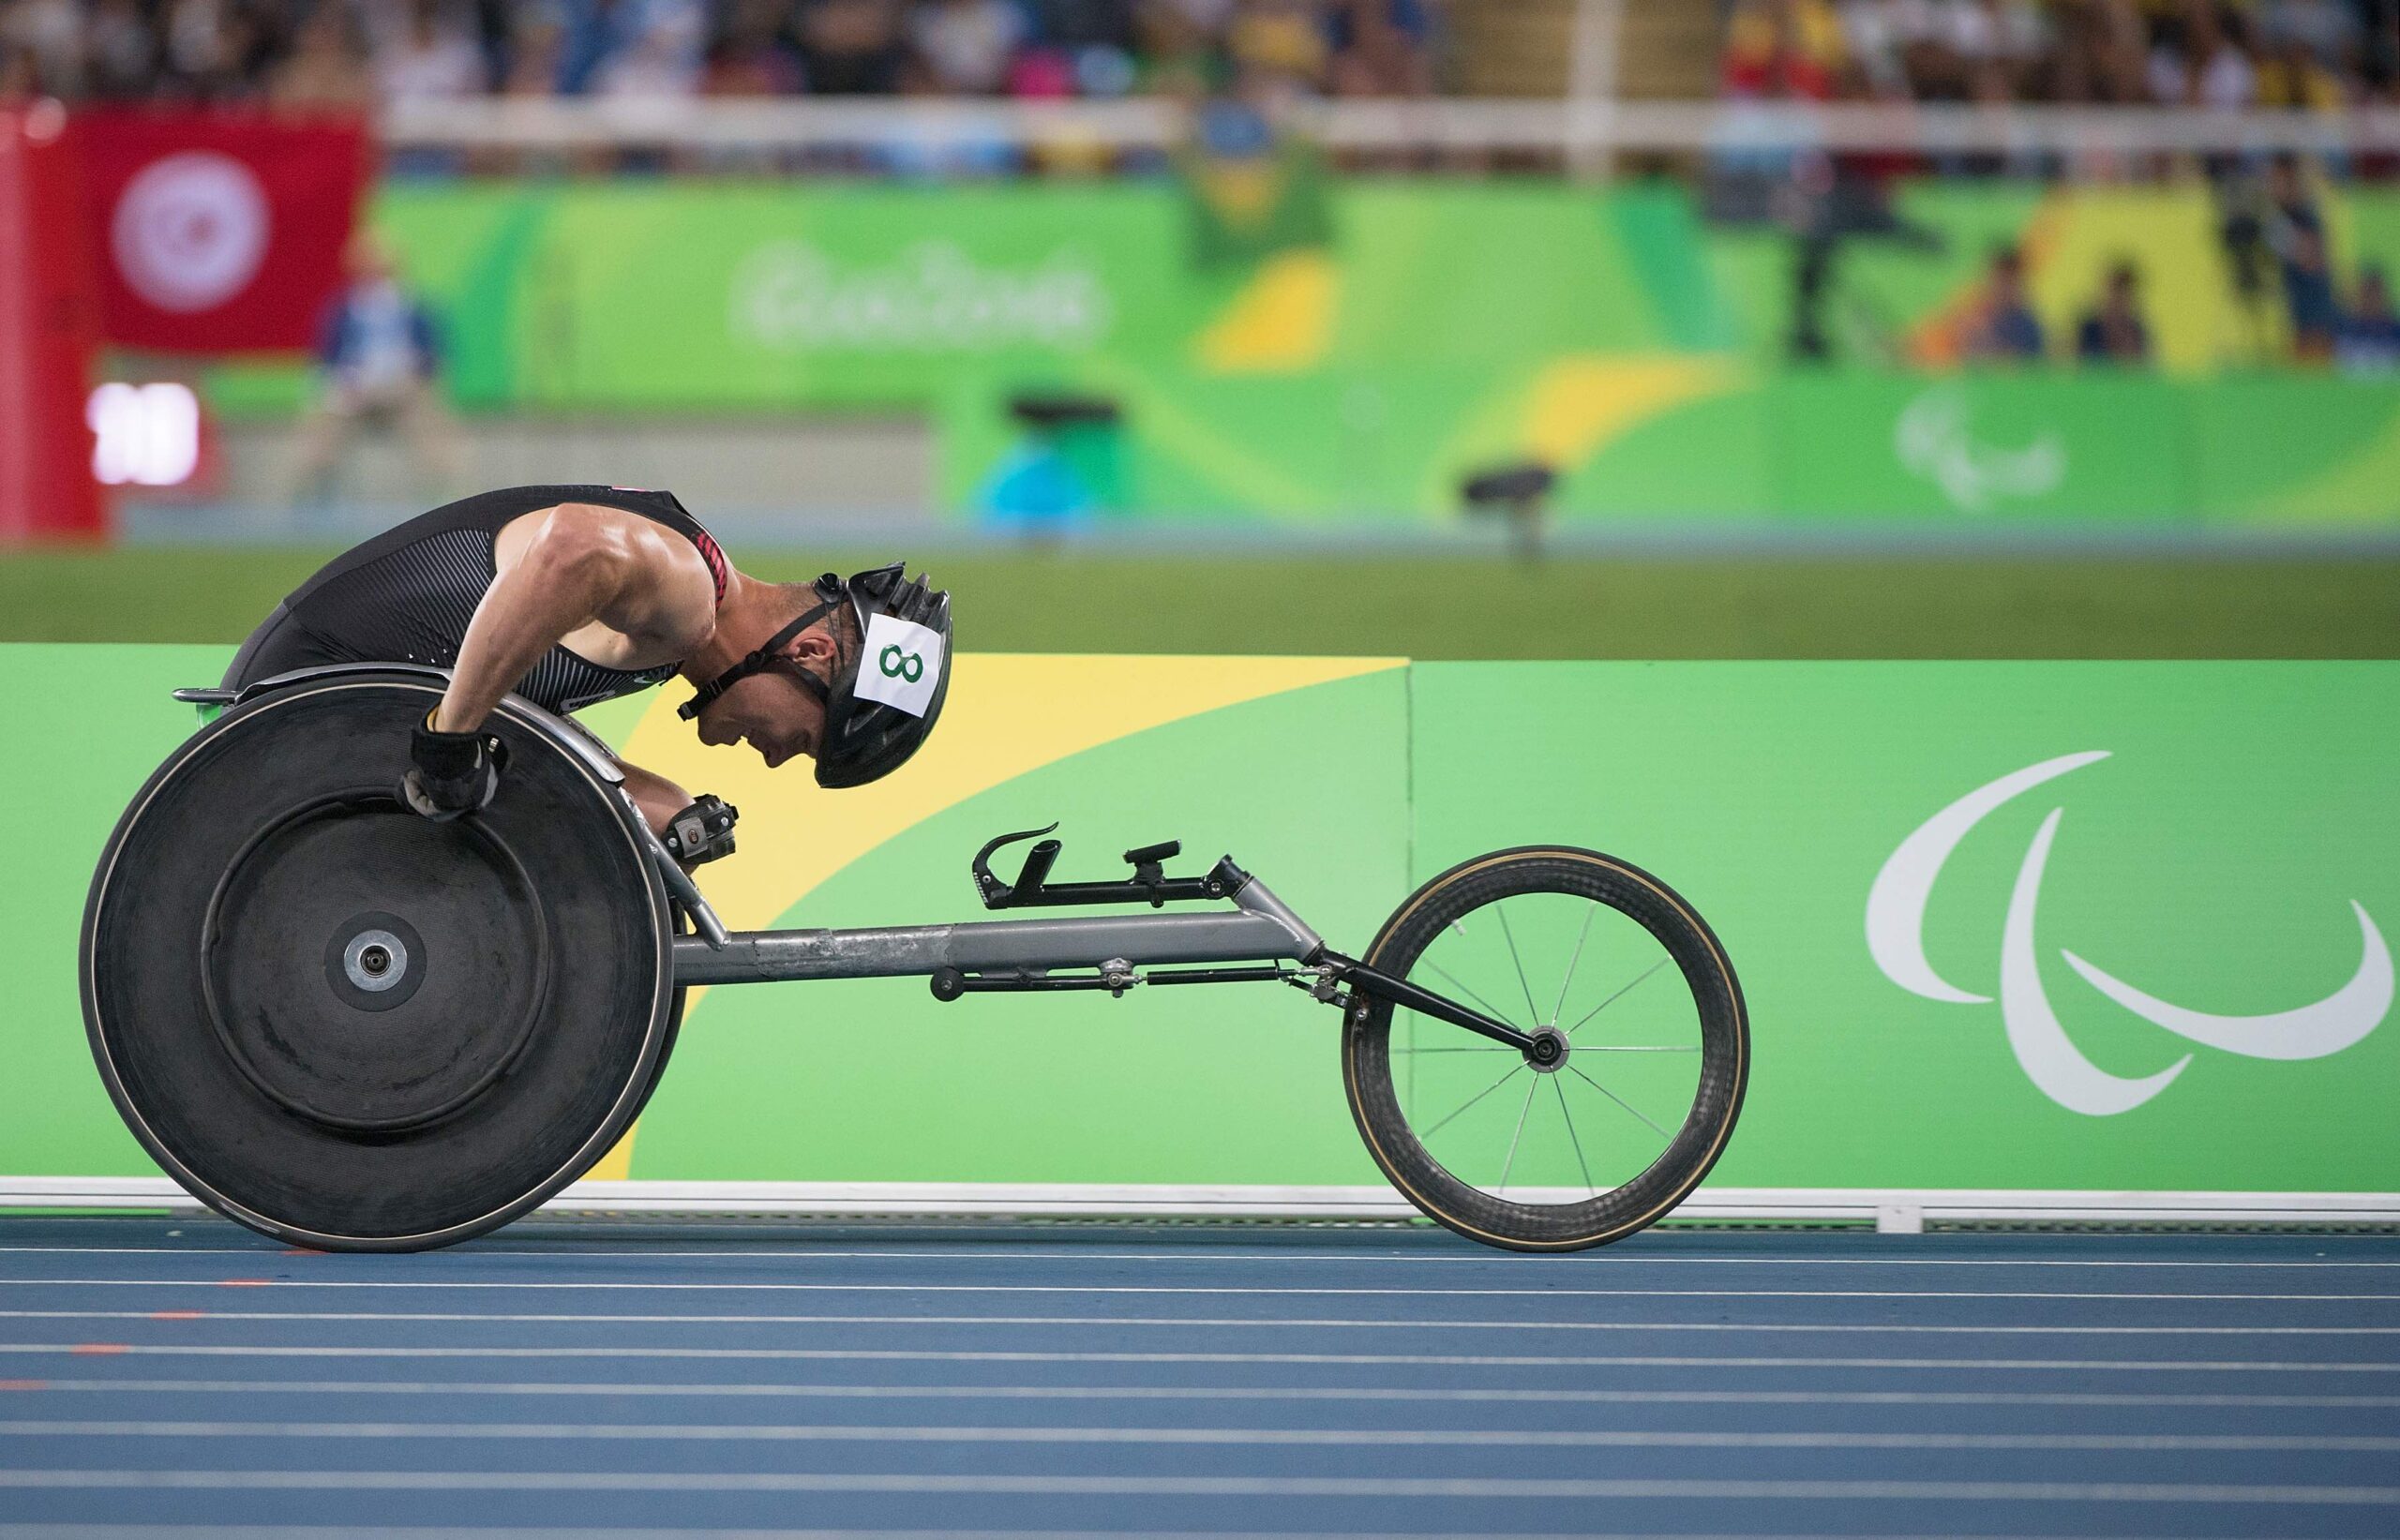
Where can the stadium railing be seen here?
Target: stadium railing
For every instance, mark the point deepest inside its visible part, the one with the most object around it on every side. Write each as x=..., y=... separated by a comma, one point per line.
x=1583, y=132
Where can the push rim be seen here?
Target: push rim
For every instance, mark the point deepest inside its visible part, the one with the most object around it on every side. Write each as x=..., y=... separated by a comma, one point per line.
x=1634, y=1079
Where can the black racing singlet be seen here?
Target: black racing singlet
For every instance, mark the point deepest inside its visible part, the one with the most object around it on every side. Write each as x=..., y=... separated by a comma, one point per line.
x=406, y=596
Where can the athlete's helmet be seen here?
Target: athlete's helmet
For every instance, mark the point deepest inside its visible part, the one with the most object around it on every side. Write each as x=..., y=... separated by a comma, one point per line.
x=883, y=699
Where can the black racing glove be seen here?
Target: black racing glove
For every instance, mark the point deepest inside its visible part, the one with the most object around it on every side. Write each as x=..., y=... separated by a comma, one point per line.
x=451, y=774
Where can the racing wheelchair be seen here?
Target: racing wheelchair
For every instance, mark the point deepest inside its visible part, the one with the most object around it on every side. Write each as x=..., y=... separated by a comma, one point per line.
x=351, y=1028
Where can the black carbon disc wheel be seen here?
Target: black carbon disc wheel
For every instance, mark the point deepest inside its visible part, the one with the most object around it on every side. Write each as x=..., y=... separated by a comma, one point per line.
x=1637, y=1086
x=350, y=1028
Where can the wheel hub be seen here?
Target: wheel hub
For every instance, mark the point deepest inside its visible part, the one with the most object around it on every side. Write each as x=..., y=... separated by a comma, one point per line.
x=375, y=961
x=1548, y=1050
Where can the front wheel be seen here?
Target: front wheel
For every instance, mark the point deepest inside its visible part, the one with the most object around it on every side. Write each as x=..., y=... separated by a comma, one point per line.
x=1622, y=1124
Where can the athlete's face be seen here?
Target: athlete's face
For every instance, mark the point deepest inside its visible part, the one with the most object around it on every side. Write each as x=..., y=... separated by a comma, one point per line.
x=772, y=712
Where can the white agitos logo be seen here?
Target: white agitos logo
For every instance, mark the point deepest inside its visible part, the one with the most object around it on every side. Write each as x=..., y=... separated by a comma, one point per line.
x=1932, y=438
x=1896, y=938
x=189, y=231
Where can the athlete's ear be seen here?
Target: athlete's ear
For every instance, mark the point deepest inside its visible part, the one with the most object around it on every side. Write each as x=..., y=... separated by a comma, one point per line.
x=814, y=645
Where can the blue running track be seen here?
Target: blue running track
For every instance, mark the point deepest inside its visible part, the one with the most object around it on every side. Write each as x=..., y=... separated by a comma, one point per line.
x=180, y=1376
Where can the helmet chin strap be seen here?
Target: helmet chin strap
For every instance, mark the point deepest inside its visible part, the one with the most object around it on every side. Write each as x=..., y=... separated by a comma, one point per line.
x=768, y=655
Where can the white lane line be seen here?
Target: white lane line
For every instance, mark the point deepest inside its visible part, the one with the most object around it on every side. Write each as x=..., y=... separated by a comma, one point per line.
x=1210, y=1322
x=323, y=1532
x=1243, y=1290
x=1068, y=1251
x=1337, y=1437
x=919, y=1483
x=1454, y=1360
x=581, y=1389
x=1228, y=1288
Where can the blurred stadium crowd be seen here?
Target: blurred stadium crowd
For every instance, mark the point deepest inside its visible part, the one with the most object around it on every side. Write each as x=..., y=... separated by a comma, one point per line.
x=2323, y=57
x=335, y=55
x=2314, y=55
x=2359, y=330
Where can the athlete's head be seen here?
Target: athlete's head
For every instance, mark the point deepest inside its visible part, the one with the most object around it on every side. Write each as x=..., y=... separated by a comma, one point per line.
x=853, y=676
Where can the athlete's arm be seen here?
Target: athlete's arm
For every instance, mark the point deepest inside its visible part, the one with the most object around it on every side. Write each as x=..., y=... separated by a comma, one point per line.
x=628, y=591
x=658, y=797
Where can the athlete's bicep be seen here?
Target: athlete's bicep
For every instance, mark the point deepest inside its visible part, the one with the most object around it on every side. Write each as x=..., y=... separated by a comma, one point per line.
x=658, y=797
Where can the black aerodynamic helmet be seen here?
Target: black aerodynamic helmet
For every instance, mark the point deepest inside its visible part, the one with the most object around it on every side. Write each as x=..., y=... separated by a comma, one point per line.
x=883, y=698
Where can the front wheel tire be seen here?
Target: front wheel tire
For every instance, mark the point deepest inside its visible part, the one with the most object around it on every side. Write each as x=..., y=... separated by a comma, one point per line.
x=1618, y=1131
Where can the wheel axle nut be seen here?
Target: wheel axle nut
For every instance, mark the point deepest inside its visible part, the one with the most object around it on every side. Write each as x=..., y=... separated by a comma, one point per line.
x=375, y=961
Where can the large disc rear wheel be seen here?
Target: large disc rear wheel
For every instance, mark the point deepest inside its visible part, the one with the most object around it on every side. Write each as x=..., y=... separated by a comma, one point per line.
x=1622, y=1114
x=349, y=1027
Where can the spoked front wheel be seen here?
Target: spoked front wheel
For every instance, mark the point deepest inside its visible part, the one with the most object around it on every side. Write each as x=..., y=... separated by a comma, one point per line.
x=1646, y=1048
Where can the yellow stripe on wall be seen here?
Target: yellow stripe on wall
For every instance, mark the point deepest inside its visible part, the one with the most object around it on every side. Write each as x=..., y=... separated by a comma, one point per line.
x=1007, y=713
x=1282, y=320
x=1582, y=402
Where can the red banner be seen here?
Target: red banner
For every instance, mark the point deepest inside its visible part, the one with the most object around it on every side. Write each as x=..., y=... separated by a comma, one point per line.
x=218, y=232
x=47, y=324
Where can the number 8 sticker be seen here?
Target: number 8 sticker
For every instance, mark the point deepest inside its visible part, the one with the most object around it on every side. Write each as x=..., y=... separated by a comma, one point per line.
x=907, y=664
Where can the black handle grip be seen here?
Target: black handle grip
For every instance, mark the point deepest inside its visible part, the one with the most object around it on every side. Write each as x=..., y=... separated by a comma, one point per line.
x=1163, y=850
x=1038, y=862
x=995, y=892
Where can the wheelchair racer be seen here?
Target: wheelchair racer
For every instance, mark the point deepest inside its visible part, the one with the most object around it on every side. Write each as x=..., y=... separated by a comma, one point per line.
x=571, y=596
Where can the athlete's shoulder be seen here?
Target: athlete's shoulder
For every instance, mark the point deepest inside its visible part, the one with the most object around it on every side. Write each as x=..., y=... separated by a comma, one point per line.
x=664, y=509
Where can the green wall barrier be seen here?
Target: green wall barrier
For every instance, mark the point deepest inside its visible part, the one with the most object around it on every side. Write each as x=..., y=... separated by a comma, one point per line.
x=2144, y=949
x=1969, y=448
x=1439, y=328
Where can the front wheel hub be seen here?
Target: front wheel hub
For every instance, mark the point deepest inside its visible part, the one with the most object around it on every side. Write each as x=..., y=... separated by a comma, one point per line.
x=1547, y=1050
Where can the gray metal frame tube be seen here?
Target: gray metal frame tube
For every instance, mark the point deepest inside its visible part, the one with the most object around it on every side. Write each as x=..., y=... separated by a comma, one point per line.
x=989, y=947
x=1260, y=928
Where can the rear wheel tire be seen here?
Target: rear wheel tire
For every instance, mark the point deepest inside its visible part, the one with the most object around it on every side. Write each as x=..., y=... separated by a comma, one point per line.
x=1591, y=951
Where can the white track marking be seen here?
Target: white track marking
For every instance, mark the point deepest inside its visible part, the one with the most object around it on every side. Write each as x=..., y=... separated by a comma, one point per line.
x=660, y=1286
x=323, y=1531
x=1244, y=1291
x=1213, y=1323
x=1068, y=1251
x=284, y=1532
x=352, y=1389
x=2080, y=1366
x=1336, y=1437
x=923, y=1483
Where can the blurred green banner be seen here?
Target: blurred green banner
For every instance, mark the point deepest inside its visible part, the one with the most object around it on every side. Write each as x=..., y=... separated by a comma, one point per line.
x=1357, y=363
